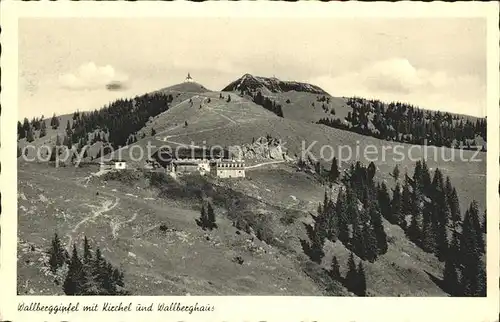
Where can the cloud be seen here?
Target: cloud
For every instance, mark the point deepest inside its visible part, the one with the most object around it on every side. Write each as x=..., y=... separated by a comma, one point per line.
x=397, y=79
x=89, y=76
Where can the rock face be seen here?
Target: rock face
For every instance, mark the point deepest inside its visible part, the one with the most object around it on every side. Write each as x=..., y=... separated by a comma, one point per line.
x=250, y=83
x=261, y=149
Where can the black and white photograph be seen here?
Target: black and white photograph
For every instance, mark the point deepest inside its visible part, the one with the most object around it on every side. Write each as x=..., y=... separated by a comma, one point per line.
x=220, y=156
x=236, y=152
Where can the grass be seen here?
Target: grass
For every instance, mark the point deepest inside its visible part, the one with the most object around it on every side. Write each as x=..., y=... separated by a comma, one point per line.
x=184, y=259
x=260, y=218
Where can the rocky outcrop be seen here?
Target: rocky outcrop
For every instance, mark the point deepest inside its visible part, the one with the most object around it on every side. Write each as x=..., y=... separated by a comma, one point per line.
x=249, y=83
x=264, y=148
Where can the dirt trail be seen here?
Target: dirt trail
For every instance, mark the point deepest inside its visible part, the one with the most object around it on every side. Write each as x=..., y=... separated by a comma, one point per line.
x=106, y=206
x=263, y=164
x=115, y=226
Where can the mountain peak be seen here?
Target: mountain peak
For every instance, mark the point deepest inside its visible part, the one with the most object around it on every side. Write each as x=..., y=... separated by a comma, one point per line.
x=251, y=83
x=187, y=86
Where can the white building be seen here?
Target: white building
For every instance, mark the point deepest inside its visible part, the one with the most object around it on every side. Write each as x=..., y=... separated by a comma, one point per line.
x=113, y=165
x=227, y=169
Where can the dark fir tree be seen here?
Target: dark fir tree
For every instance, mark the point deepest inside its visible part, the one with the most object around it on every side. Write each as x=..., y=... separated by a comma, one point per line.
x=395, y=173
x=397, y=215
x=334, y=171
x=378, y=228
x=56, y=254
x=211, y=224
x=335, y=270
x=361, y=287
x=351, y=278
x=203, y=221
x=384, y=201
x=43, y=129
x=75, y=278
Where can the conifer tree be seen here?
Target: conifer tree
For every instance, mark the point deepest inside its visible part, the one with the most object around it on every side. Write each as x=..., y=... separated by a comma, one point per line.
x=74, y=282
x=369, y=241
x=371, y=170
x=352, y=212
x=450, y=277
x=56, y=254
x=418, y=177
x=397, y=215
x=68, y=128
x=54, y=122
x=43, y=129
x=316, y=234
x=428, y=232
x=378, y=228
x=335, y=270
x=361, y=289
x=211, y=217
x=454, y=207
x=426, y=179
x=395, y=173
x=384, y=201
x=334, y=171
x=29, y=135
x=341, y=209
x=203, y=220
x=351, y=278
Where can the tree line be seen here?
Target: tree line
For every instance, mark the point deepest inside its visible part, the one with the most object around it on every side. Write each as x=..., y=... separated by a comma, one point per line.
x=425, y=207
x=406, y=123
x=116, y=123
x=89, y=274
x=267, y=103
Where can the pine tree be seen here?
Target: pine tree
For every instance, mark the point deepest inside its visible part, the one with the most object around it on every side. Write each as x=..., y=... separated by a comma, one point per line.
x=426, y=179
x=153, y=132
x=351, y=278
x=43, y=129
x=369, y=243
x=418, y=177
x=20, y=130
x=397, y=216
x=395, y=173
x=54, y=122
x=341, y=209
x=68, y=128
x=378, y=228
x=334, y=171
x=428, y=232
x=352, y=212
x=56, y=254
x=98, y=273
x=74, y=282
x=211, y=217
x=203, y=220
x=454, y=206
x=473, y=280
x=29, y=135
x=450, y=278
x=361, y=289
x=384, y=201
x=335, y=270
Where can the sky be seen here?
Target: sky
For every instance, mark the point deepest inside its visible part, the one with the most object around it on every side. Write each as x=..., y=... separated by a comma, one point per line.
x=68, y=64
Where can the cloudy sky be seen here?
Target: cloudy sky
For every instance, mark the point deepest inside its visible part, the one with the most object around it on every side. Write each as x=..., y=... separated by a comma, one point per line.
x=68, y=64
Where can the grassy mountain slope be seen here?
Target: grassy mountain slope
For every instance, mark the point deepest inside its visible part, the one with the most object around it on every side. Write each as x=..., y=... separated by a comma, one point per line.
x=299, y=101
x=124, y=219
